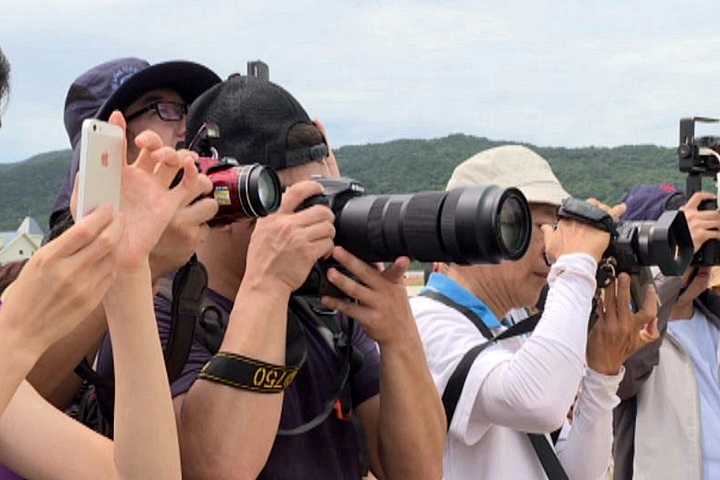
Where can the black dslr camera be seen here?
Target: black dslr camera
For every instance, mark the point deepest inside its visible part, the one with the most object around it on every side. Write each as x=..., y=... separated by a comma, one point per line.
x=665, y=242
x=635, y=244
x=483, y=224
x=699, y=157
x=241, y=191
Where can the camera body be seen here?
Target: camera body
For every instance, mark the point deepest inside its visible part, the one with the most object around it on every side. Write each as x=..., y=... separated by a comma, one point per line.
x=636, y=244
x=241, y=191
x=665, y=242
x=336, y=193
x=482, y=224
x=699, y=157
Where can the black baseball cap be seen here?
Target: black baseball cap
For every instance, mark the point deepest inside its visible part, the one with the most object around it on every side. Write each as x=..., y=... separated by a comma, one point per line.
x=253, y=117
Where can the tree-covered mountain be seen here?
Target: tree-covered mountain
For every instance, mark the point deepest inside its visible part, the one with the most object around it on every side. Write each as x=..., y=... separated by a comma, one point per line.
x=401, y=166
x=29, y=188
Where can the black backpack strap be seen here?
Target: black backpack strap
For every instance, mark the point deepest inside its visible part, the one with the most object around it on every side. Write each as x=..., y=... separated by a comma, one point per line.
x=469, y=314
x=555, y=435
x=454, y=387
x=549, y=460
x=188, y=291
x=455, y=384
x=85, y=371
x=319, y=317
x=302, y=308
x=344, y=406
x=364, y=452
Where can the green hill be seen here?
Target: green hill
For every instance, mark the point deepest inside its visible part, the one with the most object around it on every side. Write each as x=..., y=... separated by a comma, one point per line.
x=29, y=188
x=403, y=166
x=399, y=166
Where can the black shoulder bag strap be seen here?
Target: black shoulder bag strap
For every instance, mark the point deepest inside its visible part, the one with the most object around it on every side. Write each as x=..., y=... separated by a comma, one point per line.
x=550, y=463
x=455, y=385
x=469, y=314
x=188, y=290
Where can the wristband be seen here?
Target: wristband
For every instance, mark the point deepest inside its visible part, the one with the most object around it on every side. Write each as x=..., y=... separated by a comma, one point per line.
x=247, y=373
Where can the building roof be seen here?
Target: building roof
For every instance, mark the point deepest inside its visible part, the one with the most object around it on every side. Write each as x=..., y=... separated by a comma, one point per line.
x=28, y=226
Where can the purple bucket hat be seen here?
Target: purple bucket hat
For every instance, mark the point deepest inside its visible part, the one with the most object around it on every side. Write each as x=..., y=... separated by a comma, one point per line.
x=649, y=201
x=114, y=85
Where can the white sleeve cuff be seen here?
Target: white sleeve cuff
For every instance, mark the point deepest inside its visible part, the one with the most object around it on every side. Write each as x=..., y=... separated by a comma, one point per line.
x=602, y=389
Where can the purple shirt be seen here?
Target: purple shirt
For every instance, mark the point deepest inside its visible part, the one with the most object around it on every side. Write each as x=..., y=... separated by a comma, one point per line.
x=7, y=474
x=330, y=450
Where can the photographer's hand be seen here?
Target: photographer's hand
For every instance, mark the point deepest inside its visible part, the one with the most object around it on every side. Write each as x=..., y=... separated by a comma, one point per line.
x=572, y=236
x=181, y=238
x=188, y=227
x=381, y=306
x=377, y=299
x=185, y=232
x=286, y=244
x=63, y=282
x=704, y=225
x=618, y=333
x=146, y=200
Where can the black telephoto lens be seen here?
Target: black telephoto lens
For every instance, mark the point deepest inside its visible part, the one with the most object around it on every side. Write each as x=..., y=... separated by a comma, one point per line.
x=484, y=224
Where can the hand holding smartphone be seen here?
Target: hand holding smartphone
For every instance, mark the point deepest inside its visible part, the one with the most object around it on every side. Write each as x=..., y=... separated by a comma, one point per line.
x=101, y=162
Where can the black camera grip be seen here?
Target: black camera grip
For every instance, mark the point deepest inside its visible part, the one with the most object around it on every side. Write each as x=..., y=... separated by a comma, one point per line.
x=313, y=200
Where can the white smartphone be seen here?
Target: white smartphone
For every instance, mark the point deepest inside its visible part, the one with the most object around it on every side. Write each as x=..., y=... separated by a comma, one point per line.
x=100, y=172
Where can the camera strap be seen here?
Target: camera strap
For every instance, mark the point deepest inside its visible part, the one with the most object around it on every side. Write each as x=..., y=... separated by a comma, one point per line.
x=188, y=291
x=587, y=213
x=450, y=397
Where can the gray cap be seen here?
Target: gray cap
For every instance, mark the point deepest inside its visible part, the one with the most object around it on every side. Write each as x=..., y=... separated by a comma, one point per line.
x=511, y=166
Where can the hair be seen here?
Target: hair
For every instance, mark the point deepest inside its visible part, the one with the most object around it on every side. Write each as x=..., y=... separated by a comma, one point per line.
x=4, y=77
x=60, y=221
x=9, y=272
x=303, y=135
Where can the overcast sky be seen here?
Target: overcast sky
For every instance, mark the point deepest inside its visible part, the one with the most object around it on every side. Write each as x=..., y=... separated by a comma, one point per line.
x=553, y=73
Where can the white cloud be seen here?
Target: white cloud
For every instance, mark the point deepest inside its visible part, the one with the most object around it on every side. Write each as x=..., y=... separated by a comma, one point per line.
x=553, y=73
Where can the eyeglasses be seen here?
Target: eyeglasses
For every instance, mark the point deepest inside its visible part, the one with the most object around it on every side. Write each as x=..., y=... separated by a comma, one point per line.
x=166, y=110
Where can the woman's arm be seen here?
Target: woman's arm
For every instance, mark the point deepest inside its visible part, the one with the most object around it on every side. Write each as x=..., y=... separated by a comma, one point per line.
x=38, y=441
x=59, y=286
x=146, y=444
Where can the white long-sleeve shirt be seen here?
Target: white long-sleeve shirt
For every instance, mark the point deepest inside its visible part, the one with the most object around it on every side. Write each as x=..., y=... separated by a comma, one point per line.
x=524, y=385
